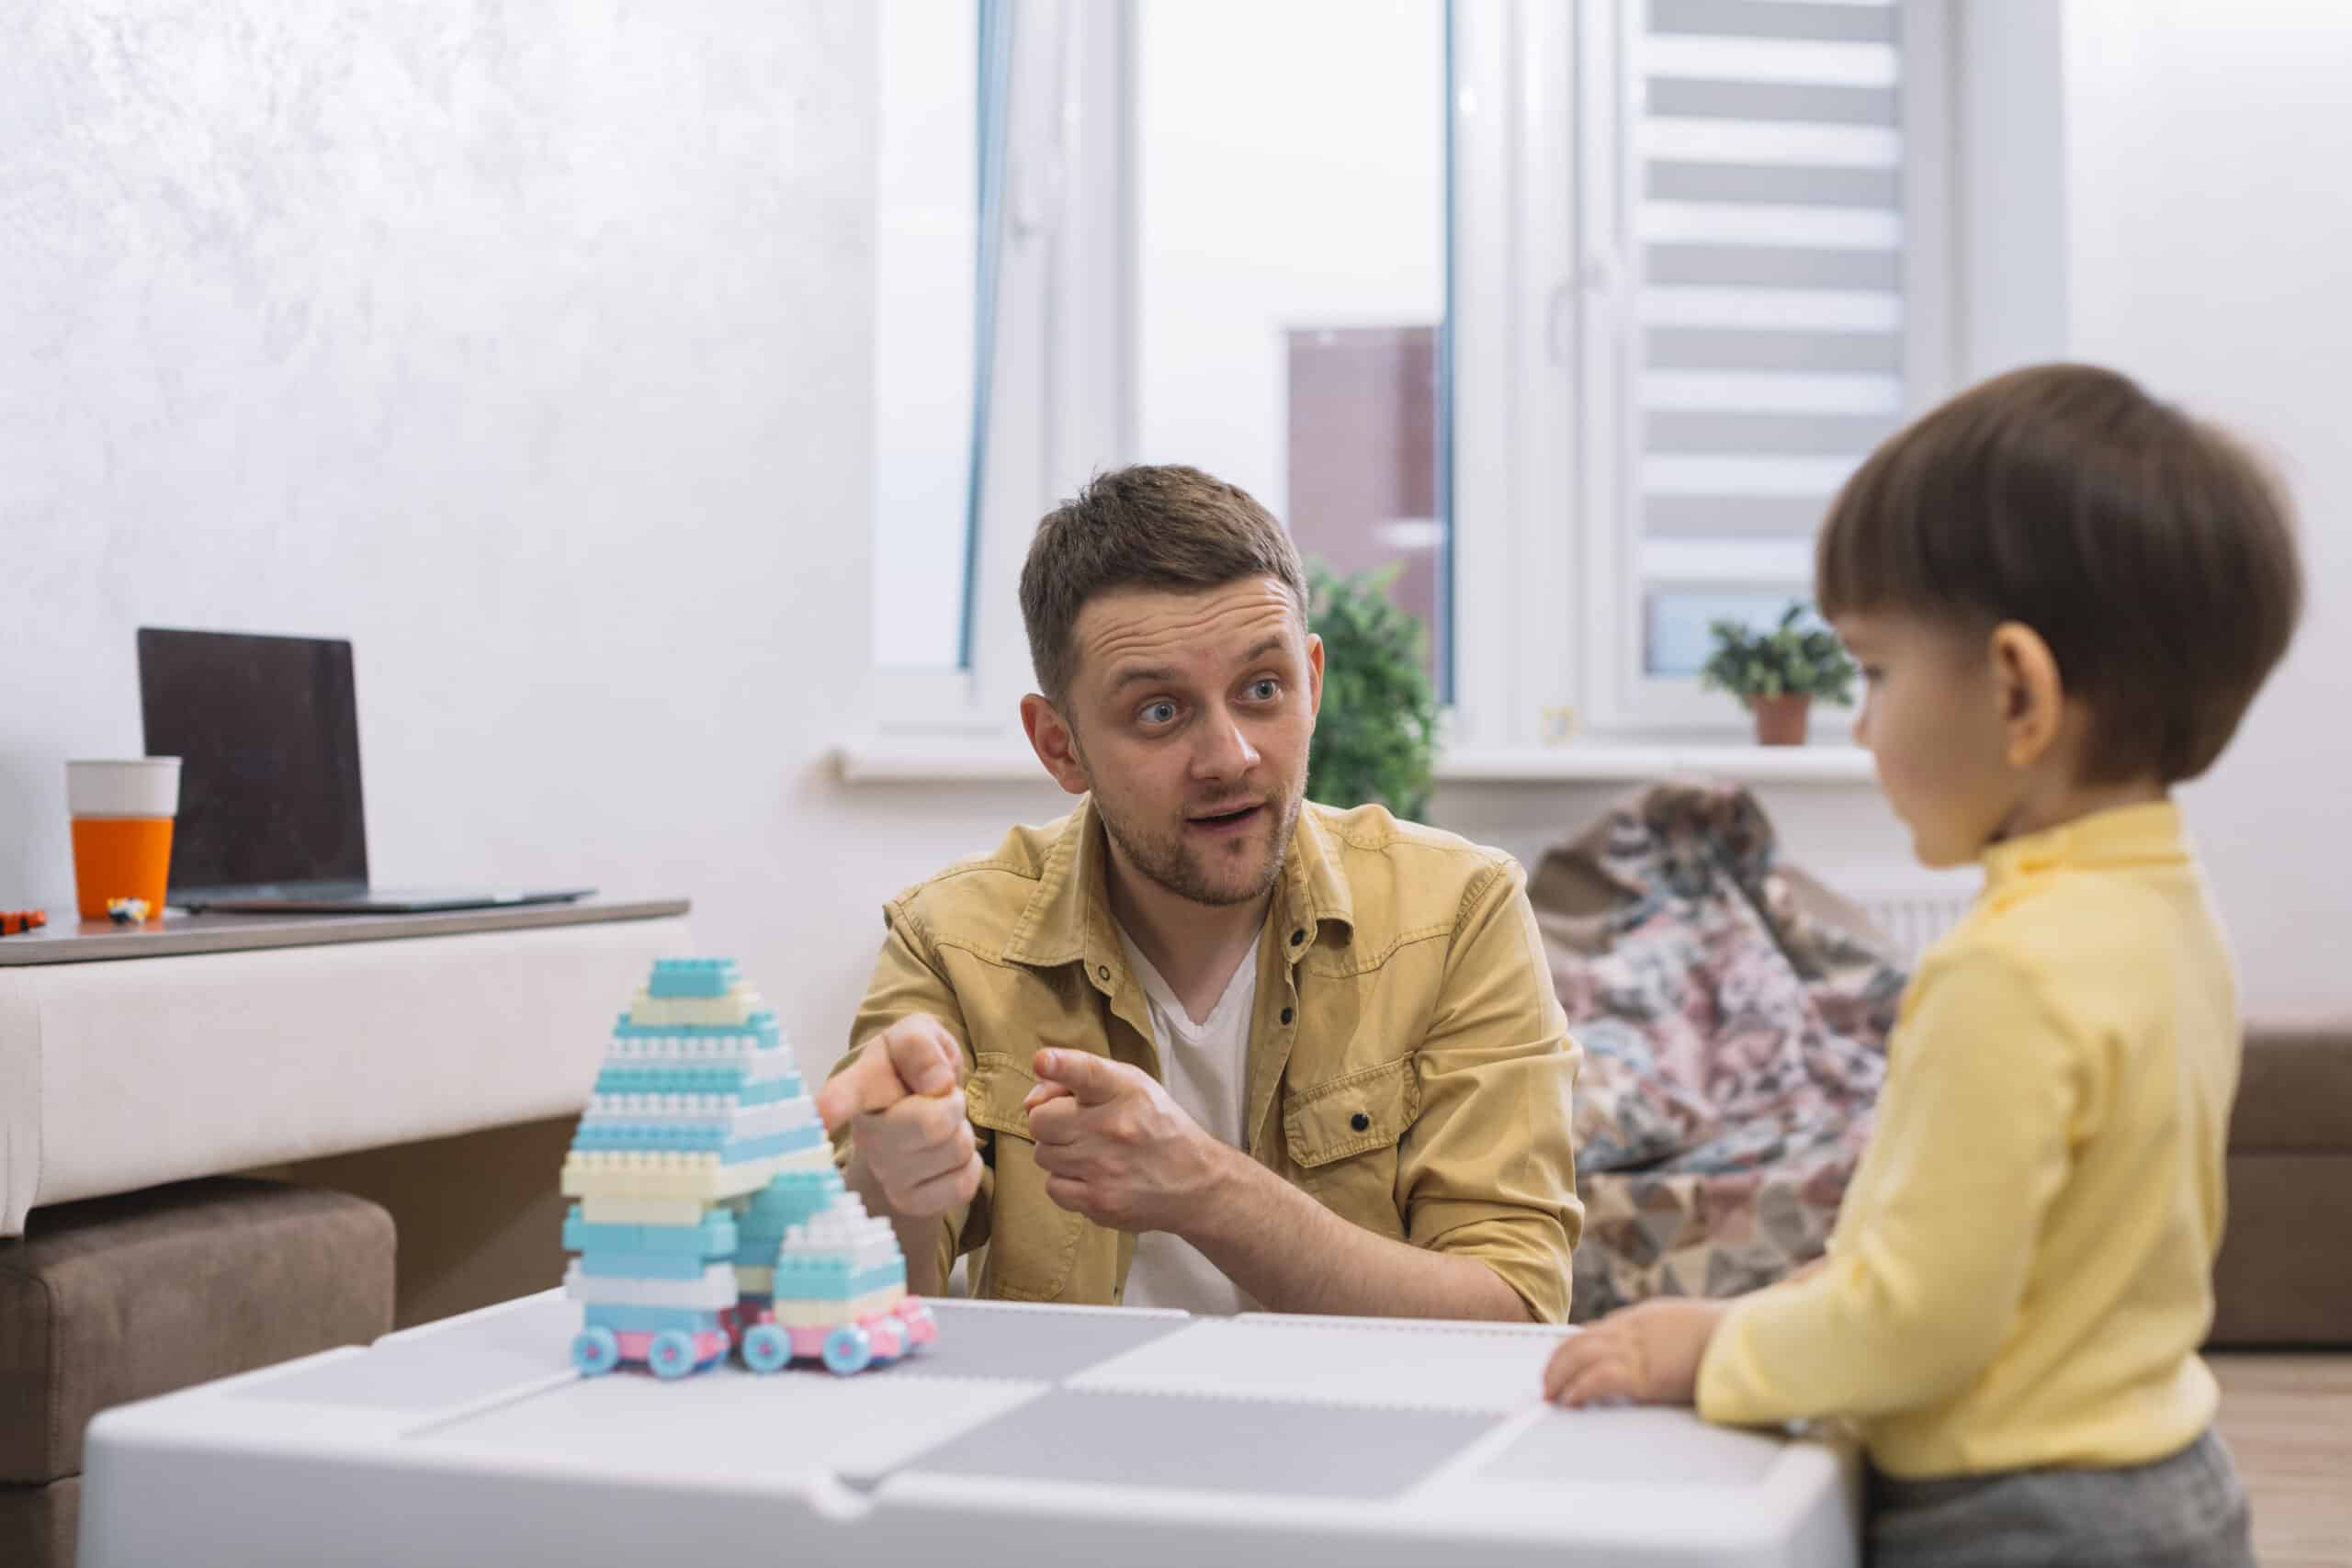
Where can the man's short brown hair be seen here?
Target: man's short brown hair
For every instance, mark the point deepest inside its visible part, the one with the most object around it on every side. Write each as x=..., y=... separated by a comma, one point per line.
x=1146, y=526
x=2152, y=552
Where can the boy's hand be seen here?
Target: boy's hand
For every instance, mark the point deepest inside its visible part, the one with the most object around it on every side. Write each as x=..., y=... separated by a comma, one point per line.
x=1648, y=1353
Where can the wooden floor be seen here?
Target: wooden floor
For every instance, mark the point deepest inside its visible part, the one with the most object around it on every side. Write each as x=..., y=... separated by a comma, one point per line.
x=2287, y=1419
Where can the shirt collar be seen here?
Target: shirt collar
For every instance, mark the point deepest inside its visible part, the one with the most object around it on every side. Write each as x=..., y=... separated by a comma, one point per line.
x=1067, y=919
x=2149, y=834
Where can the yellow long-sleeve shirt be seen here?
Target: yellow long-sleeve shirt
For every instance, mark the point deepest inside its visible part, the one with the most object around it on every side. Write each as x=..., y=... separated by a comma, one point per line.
x=2021, y=1272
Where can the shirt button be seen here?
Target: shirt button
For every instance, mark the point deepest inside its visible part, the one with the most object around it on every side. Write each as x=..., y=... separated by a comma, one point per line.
x=1286, y=1015
x=1296, y=937
x=1360, y=1122
x=1102, y=971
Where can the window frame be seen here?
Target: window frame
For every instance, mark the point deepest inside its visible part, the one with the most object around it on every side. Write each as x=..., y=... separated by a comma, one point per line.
x=1547, y=618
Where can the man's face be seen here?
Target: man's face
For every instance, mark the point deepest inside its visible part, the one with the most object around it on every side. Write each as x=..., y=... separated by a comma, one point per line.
x=1192, y=712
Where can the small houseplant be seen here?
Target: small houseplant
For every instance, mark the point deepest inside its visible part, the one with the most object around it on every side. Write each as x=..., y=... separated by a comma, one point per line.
x=1779, y=672
x=1376, y=736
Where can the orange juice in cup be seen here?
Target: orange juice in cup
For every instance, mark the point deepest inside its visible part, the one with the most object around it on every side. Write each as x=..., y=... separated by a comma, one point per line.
x=122, y=831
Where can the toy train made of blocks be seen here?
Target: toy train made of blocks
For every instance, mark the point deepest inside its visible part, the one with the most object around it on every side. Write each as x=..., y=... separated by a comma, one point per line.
x=710, y=1216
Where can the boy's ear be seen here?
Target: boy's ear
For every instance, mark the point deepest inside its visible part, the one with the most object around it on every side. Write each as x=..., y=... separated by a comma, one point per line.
x=2031, y=693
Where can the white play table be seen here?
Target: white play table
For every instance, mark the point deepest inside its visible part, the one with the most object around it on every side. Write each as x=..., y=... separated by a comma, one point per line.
x=1027, y=1436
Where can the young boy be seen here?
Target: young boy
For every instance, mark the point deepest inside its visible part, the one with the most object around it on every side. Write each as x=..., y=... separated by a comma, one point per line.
x=2063, y=595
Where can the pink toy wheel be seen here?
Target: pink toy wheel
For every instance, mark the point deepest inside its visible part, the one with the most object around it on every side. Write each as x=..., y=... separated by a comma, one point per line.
x=922, y=1328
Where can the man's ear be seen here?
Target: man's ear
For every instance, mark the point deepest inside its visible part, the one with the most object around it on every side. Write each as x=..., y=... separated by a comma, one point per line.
x=1055, y=743
x=1314, y=678
x=2031, y=691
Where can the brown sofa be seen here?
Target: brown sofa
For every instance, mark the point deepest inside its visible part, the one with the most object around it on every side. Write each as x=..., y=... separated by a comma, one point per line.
x=2285, y=1274
x=126, y=1297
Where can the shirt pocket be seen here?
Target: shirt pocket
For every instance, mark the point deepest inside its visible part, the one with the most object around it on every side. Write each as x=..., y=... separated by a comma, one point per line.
x=1342, y=1133
x=1033, y=1243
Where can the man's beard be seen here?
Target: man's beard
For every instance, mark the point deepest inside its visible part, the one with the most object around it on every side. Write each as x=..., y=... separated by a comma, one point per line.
x=1177, y=866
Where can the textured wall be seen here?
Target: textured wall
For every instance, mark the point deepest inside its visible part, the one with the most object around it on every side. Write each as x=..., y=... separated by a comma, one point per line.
x=528, y=348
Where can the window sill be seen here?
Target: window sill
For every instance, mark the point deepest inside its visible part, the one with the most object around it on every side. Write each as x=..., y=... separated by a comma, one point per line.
x=985, y=761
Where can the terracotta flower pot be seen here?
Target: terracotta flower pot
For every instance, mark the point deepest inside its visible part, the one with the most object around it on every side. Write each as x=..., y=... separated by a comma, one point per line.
x=1780, y=721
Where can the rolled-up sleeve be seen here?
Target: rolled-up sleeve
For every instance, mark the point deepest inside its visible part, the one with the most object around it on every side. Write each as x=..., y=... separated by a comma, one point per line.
x=1487, y=1169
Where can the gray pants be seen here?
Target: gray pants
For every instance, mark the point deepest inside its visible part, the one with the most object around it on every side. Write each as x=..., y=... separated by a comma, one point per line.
x=2187, y=1511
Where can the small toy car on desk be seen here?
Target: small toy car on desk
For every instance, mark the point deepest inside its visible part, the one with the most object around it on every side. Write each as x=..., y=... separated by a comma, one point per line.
x=127, y=911
x=12, y=921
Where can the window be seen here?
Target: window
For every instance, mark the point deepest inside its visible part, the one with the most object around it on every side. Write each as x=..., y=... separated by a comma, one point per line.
x=926, y=243
x=1763, y=158
x=1290, y=208
x=1576, y=313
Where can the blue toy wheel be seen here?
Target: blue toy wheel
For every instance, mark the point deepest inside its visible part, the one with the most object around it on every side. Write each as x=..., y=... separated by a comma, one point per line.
x=766, y=1348
x=848, y=1349
x=596, y=1351
x=672, y=1354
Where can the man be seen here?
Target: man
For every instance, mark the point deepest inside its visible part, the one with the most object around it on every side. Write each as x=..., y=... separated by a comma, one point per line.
x=1199, y=1044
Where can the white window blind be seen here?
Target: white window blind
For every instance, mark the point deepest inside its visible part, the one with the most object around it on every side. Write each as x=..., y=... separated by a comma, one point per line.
x=1765, y=204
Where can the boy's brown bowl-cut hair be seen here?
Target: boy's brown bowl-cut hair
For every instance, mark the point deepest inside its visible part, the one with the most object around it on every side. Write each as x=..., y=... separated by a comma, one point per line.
x=2151, y=551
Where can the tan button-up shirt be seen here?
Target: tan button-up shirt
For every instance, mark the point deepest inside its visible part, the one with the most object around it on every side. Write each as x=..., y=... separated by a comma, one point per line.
x=1408, y=1067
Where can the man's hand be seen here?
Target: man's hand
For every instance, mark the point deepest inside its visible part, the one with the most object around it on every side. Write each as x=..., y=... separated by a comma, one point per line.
x=902, y=1100
x=1648, y=1353
x=1115, y=1149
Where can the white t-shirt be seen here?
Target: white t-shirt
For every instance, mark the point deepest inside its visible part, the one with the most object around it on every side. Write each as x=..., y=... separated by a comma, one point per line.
x=1204, y=1065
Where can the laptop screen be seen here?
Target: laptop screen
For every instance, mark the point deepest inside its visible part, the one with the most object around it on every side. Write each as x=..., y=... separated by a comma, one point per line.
x=267, y=733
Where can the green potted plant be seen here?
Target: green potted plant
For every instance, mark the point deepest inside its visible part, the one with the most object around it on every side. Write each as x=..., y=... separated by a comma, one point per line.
x=1376, y=736
x=1779, y=672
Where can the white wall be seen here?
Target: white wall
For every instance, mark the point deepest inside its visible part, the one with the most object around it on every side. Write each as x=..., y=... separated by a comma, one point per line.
x=2209, y=251
x=533, y=355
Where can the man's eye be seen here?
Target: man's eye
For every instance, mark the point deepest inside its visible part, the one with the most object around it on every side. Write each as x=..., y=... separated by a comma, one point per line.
x=1160, y=713
x=1265, y=691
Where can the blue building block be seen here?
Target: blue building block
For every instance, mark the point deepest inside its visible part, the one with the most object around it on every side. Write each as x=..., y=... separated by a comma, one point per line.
x=760, y=1027
x=715, y=1237
x=718, y=1078
x=646, y=1265
x=824, y=1278
x=648, y=1320
x=792, y=1198
x=692, y=977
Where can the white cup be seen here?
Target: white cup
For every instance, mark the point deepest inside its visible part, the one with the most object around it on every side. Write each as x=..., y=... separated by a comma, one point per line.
x=136, y=787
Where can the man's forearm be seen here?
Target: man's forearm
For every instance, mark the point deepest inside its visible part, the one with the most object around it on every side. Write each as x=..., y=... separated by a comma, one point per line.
x=917, y=1238
x=1290, y=1254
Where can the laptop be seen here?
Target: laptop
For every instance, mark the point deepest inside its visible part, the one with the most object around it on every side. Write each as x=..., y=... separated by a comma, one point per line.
x=267, y=729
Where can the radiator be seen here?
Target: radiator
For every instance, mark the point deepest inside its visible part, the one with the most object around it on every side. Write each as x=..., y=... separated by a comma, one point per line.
x=1913, y=915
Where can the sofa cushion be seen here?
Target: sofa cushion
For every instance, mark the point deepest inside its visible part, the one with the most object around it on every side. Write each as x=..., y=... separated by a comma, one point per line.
x=2282, y=1278
x=38, y=1525
x=2295, y=1090
x=124, y=1298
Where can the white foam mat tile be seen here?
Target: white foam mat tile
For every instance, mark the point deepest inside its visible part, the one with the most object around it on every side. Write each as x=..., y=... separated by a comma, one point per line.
x=1157, y=1441
x=1334, y=1361
x=1633, y=1447
x=987, y=1339
x=728, y=1424
x=460, y=1360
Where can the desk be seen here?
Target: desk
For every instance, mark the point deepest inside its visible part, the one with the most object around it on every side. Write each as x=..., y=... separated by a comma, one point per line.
x=209, y=1043
x=1027, y=1435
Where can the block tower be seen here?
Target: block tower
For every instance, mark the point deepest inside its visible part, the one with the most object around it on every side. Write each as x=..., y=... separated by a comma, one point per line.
x=709, y=1213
